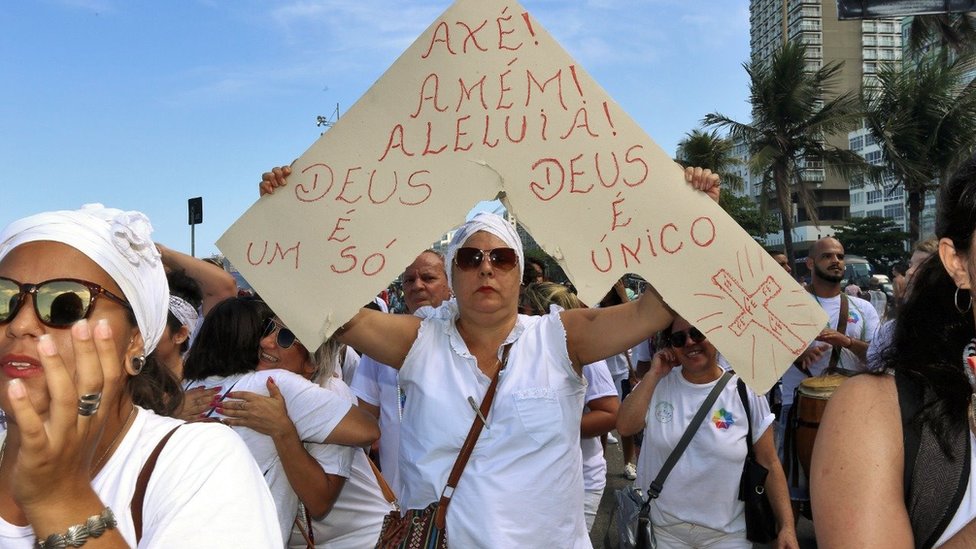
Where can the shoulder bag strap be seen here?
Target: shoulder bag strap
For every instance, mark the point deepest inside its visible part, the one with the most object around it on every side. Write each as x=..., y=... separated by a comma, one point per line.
x=384, y=487
x=842, y=328
x=306, y=532
x=462, y=460
x=744, y=397
x=655, y=489
x=142, y=482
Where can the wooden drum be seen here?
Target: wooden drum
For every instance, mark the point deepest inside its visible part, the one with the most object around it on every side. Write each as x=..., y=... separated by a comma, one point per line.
x=811, y=400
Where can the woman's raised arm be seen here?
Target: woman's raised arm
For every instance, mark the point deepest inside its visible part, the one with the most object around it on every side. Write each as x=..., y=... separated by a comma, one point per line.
x=385, y=337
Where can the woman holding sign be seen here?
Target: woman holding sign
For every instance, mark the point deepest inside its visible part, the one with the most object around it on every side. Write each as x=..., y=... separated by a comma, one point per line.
x=523, y=485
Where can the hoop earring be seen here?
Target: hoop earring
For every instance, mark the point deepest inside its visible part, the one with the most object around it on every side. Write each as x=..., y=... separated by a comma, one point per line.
x=138, y=363
x=955, y=301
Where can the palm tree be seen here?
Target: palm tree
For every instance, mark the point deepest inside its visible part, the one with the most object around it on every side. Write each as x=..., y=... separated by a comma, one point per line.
x=708, y=150
x=924, y=119
x=793, y=113
x=948, y=31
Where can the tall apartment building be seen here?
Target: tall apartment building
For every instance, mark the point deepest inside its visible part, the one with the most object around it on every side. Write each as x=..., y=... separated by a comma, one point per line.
x=861, y=46
x=889, y=200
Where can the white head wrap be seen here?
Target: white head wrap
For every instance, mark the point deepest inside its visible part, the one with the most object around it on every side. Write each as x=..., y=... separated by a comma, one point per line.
x=118, y=242
x=184, y=312
x=490, y=223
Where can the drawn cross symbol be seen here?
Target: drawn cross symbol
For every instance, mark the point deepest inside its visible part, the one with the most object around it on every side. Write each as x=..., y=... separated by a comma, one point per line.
x=749, y=305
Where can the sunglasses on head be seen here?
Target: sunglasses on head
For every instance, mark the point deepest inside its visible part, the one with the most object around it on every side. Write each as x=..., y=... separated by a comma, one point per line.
x=679, y=339
x=58, y=303
x=286, y=338
x=469, y=259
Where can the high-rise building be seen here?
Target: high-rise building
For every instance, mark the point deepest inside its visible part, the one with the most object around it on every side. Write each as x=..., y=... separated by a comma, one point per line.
x=860, y=46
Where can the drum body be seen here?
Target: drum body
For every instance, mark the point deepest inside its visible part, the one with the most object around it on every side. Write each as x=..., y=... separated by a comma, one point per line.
x=811, y=400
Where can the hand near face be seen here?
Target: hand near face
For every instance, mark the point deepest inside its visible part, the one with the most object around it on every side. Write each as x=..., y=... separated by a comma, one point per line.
x=662, y=363
x=57, y=452
x=267, y=415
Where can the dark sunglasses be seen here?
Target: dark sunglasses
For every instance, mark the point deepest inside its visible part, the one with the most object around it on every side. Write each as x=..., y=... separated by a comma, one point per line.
x=58, y=303
x=679, y=339
x=469, y=259
x=286, y=338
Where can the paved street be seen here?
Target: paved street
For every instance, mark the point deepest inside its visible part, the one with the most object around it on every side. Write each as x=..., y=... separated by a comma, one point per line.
x=616, y=480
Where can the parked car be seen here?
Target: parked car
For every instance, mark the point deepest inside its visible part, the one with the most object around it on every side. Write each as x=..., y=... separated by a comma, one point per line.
x=857, y=270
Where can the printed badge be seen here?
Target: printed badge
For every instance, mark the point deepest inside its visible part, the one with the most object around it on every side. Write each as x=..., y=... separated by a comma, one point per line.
x=722, y=419
x=664, y=412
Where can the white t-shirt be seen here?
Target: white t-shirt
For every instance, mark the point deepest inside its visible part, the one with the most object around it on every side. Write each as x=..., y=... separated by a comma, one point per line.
x=599, y=384
x=879, y=301
x=523, y=486
x=617, y=364
x=642, y=352
x=205, y=490
x=376, y=384
x=348, y=363
x=314, y=411
x=703, y=487
x=862, y=323
x=357, y=515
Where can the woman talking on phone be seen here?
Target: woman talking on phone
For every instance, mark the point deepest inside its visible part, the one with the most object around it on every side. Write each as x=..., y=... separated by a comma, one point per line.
x=699, y=504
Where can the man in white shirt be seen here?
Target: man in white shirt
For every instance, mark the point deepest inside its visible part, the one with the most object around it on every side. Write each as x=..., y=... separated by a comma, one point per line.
x=376, y=385
x=849, y=347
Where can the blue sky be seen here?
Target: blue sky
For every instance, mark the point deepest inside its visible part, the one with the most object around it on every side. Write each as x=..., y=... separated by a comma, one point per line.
x=142, y=104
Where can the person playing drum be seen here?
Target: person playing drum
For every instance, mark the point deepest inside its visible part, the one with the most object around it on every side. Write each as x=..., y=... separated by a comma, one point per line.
x=842, y=345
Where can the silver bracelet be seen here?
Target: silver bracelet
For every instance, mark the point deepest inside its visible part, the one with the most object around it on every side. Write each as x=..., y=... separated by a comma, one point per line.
x=77, y=535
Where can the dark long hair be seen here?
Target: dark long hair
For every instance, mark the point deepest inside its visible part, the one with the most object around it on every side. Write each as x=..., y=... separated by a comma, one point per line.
x=930, y=332
x=228, y=340
x=155, y=388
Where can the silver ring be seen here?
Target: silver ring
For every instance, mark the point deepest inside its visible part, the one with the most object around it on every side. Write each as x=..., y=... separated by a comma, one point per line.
x=243, y=404
x=88, y=404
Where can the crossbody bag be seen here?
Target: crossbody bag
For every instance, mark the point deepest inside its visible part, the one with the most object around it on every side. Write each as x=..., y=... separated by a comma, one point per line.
x=427, y=528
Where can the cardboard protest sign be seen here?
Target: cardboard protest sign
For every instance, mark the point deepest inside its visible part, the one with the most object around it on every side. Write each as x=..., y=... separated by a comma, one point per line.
x=486, y=103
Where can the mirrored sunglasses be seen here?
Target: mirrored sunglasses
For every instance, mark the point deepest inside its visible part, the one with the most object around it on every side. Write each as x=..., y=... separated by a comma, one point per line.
x=679, y=339
x=58, y=303
x=286, y=338
x=469, y=259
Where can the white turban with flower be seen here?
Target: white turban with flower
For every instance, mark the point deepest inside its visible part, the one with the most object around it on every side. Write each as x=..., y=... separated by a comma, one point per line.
x=118, y=242
x=490, y=223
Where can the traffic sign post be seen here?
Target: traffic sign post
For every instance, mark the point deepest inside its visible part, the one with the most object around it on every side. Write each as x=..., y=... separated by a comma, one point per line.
x=195, y=217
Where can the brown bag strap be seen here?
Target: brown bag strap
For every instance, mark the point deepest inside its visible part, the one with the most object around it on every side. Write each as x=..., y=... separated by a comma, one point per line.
x=142, y=482
x=139, y=496
x=384, y=487
x=462, y=460
x=306, y=534
x=842, y=328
